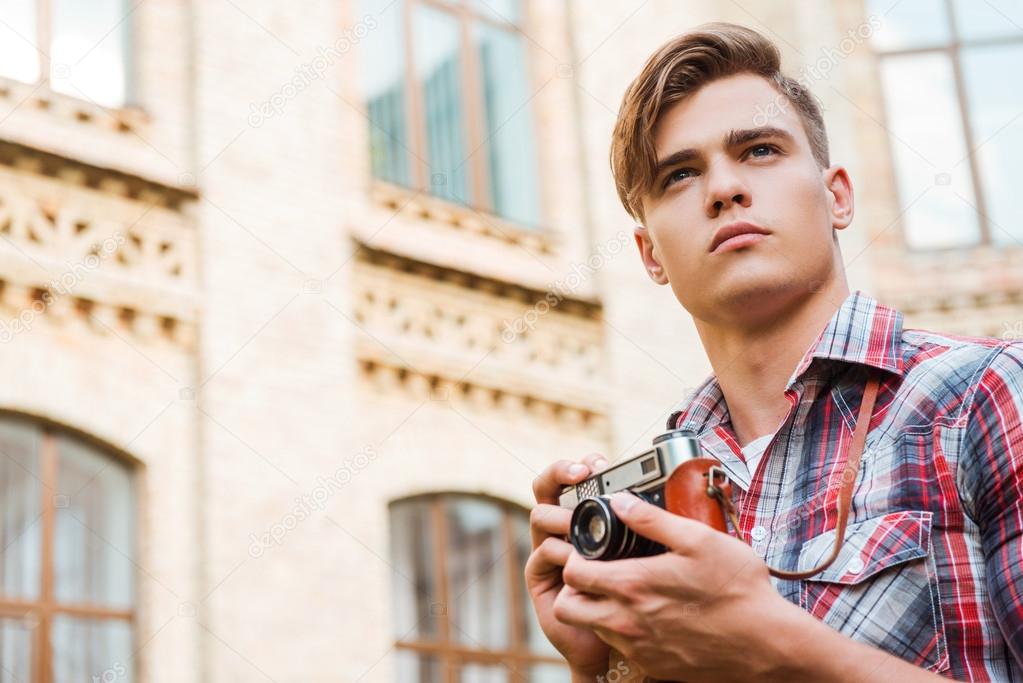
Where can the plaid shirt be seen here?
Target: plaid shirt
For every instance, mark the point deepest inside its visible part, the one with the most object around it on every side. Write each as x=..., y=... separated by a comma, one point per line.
x=932, y=565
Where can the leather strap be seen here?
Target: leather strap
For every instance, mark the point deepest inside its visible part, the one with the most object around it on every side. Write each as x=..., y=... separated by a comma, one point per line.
x=849, y=472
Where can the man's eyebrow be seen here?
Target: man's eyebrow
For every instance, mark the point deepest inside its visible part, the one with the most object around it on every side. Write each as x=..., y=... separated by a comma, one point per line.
x=733, y=139
x=739, y=137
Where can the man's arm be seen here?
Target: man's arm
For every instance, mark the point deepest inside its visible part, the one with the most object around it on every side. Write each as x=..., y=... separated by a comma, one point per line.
x=991, y=485
x=819, y=654
x=706, y=610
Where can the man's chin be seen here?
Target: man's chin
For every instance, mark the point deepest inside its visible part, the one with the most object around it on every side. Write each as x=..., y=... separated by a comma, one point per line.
x=751, y=300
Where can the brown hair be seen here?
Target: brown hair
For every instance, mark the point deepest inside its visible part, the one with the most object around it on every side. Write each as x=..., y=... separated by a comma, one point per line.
x=678, y=69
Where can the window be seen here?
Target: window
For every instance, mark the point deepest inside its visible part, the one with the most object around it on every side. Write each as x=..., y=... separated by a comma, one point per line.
x=461, y=610
x=956, y=134
x=66, y=570
x=77, y=47
x=447, y=89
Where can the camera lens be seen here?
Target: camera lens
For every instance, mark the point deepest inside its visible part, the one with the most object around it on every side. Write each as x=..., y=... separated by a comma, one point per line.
x=598, y=534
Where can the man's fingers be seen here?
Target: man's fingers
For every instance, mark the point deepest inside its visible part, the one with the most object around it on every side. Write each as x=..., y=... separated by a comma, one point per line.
x=548, y=520
x=548, y=485
x=578, y=609
x=677, y=533
x=595, y=461
x=550, y=556
x=596, y=578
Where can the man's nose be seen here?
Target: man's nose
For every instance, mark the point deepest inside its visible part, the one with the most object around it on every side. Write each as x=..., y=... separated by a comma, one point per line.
x=725, y=188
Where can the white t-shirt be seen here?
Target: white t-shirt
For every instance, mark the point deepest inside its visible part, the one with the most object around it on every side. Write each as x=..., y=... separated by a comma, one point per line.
x=754, y=451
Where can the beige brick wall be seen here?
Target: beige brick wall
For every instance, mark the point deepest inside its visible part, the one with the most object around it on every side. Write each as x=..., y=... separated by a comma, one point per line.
x=244, y=383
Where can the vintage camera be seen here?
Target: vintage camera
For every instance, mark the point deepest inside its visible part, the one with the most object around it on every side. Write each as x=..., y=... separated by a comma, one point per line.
x=595, y=530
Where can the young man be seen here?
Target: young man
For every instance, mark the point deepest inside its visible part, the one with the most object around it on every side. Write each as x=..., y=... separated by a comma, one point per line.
x=724, y=163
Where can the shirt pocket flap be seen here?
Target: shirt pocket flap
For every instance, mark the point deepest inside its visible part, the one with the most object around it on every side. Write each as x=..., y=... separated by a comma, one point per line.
x=869, y=547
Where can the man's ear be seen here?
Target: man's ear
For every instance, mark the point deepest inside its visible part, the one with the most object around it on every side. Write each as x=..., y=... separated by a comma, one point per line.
x=840, y=196
x=646, y=252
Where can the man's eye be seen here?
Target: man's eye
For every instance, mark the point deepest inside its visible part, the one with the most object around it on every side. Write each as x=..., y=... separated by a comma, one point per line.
x=677, y=175
x=768, y=148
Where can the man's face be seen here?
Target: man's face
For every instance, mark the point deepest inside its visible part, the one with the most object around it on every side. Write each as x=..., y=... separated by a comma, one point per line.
x=715, y=169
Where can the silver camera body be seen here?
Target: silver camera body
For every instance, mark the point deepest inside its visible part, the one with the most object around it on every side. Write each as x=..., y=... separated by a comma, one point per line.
x=595, y=530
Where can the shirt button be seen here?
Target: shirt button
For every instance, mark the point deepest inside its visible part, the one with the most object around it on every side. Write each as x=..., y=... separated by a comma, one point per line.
x=855, y=566
x=758, y=533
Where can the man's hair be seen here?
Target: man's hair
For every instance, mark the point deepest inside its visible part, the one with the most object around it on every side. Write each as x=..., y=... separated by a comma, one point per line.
x=678, y=69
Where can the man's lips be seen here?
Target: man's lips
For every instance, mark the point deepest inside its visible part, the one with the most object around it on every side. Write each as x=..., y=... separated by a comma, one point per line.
x=737, y=235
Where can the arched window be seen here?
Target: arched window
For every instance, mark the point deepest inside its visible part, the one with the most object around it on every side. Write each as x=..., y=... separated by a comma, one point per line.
x=461, y=611
x=67, y=549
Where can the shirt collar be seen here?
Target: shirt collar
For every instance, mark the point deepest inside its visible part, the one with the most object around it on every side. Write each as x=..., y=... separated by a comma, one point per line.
x=862, y=331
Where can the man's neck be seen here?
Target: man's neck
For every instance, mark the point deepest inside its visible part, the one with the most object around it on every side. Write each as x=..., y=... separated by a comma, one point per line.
x=753, y=364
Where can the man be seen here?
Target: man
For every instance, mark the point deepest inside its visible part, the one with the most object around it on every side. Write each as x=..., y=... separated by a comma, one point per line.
x=724, y=163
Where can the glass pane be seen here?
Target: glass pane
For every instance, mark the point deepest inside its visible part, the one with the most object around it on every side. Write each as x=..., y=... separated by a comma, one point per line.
x=998, y=135
x=91, y=649
x=477, y=573
x=498, y=10
x=20, y=511
x=511, y=158
x=383, y=82
x=89, y=49
x=909, y=23
x=989, y=19
x=438, y=74
x=533, y=637
x=478, y=673
x=416, y=603
x=19, y=56
x=15, y=651
x=95, y=528
x=413, y=667
x=551, y=673
x=933, y=175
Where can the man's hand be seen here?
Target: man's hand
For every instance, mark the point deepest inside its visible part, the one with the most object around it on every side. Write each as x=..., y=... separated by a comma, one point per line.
x=586, y=654
x=703, y=611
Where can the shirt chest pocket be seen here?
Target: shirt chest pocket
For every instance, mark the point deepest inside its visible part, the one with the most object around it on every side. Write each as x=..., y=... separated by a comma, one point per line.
x=882, y=589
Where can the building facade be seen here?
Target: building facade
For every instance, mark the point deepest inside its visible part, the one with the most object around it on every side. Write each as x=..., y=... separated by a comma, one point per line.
x=297, y=301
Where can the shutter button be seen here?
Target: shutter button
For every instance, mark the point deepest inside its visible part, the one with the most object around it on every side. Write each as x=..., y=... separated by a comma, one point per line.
x=855, y=566
x=758, y=533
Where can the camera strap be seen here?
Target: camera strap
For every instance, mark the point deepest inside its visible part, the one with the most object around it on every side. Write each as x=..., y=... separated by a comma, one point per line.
x=722, y=492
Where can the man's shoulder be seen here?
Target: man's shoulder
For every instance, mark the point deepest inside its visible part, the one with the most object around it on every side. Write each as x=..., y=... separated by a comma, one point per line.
x=949, y=367
x=929, y=352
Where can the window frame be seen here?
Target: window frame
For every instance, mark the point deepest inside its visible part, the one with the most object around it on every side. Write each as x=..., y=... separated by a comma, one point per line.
x=471, y=102
x=44, y=45
x=451, y=654
x=953, y=49
x=41, y=612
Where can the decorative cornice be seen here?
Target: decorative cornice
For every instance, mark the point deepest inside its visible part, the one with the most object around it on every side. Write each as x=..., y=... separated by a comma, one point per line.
x=107, y=180
x=122, y=120
x=584, y=308
x=423, y=206
x=86, y=245
x=386, y=377
x=504, y=344
x=25, y=308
